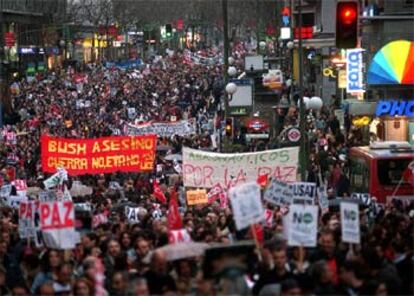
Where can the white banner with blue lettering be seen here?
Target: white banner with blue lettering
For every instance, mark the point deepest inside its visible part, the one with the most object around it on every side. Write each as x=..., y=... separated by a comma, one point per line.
x=354, y=71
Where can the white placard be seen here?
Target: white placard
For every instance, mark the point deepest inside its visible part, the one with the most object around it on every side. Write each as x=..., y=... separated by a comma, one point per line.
x=179, y=236
x=206, y=169
x=27, y=212
x=302, y=225
x=350, y=222
x=323, y=199
x=278, y=193
x=246, y=204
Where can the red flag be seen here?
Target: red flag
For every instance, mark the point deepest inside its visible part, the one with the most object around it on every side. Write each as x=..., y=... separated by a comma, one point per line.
x=174, y=219
x=158, y=193
x=214, y=193
x=262, y=180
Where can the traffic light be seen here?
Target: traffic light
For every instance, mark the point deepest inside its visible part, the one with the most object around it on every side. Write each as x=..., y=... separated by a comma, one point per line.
x=229, y=127
x=346, y=24
x=168, y=30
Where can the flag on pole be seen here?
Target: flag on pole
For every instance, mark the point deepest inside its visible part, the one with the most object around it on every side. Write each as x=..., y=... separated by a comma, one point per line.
x=174, y=219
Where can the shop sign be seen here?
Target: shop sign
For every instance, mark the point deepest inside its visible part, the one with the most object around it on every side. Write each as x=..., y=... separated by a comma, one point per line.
x=240, y=111
x=393, y=108
x=293, y=134
x=354, y=73
x=257, y=125
x=27, y=50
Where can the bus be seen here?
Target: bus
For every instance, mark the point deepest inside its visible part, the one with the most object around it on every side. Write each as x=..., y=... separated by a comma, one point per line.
x=379, y=170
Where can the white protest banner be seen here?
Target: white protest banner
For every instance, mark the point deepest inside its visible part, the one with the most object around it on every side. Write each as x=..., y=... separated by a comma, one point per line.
x=278, y=193
x=350, y=222
x=246, y=204
x=56, y=179
x=21, y=187
x=14, y=201
x=302, y=225
x=27, y=219
x=83, y=206
x=206, y=169
x=323, y=199
x=163, y=129
x=57, y=222
x=132, y=113
x=179, y=236
x=304, y=192
x=5, y=190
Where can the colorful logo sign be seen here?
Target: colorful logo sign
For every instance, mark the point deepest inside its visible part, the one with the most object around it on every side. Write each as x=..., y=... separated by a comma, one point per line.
x=393, y=64
x=393, y=108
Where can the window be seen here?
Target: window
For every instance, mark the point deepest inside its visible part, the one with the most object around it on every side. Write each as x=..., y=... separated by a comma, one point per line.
x=390, y=170
x=308, y=19
x=359, y=175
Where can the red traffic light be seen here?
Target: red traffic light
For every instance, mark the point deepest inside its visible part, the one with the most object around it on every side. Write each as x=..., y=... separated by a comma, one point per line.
x=347, y=12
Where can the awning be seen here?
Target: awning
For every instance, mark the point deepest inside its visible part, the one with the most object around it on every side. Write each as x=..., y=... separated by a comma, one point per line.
x=368, y=108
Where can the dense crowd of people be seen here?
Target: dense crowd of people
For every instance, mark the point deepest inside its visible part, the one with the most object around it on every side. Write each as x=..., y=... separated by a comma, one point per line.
x=98, y=103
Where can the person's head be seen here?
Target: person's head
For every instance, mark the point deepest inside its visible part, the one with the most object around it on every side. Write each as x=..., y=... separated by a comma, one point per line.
x=46, y=289
x=320, y=273
x=159, y=262
x=65, y=273
x=20, y=290
x=290, y=287
x=279, y=258
x=327, y=242
x=54, y=259
x=351, y=271
x=374, y=287
x=83, y=287
x=114, y=248
x=184, y=268
x=142, y=247
x=140, y=287
x=125, y=240
x=119, y=282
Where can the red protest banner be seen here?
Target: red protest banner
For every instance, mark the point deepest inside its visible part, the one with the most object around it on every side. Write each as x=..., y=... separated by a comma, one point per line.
x=101, y=155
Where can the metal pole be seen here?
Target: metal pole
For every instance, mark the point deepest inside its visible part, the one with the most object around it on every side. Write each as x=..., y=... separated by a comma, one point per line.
x=226, y=53
x=302, y=119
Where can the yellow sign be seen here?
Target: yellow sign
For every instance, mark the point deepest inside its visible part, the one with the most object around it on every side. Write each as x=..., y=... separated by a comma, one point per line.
x=342, y=79
x=328, y=72
x=197, y=197
x=361, y=121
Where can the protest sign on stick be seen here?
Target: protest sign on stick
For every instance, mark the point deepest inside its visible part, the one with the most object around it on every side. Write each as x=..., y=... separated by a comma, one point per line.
x=350, y=228
x=302, y=225
x=197, y=197
x=246, y=204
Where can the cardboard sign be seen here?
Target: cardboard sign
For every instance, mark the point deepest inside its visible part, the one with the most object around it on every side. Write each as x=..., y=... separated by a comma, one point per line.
x=57, y=222
x=278, y=193
x=304, y=192
x=350, y=223
x=132, y=214
x=197, y=197
x=323, y=199
x=179, y=236
x=302, y=225
x=163, y=129
x=96, y=156
x=365, y=198
x=27, y=212
x=246, y=204
x=56, y=179
x=14, y=201
x=99, y=219
x=206, y=169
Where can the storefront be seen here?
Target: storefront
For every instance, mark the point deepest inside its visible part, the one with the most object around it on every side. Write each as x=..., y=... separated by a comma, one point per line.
x=390, y=79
